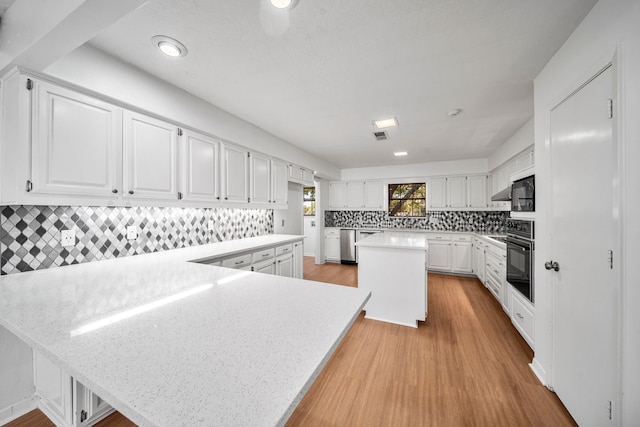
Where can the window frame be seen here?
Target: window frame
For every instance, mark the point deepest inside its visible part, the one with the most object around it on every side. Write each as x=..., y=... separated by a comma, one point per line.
x=422, y=200
x=312, y=200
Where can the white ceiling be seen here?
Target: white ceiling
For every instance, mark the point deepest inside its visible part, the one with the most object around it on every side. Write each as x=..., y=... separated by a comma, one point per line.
x=317, y=76
x=4, y=5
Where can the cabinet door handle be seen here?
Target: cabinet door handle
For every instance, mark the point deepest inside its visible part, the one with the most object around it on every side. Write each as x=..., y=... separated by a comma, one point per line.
x=239, y=262
x=130, y=191
x=114, y=191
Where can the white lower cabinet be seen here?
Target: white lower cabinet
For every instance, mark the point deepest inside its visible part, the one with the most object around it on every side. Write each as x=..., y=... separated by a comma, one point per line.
x=66, y=401
x=284, y=265
x=332, y=244
x=461, y=254
x=298, y=260
x=439, y=255
x=55, y=390
x=266, y=267
x=522, y=317
x=89, y=407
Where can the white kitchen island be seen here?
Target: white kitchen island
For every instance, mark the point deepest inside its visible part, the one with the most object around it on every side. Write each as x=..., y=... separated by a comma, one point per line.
x=168, y=342
x=393, y=267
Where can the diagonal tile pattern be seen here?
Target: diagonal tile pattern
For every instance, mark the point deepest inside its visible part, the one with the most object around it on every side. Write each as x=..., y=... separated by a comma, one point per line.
x=30, y=235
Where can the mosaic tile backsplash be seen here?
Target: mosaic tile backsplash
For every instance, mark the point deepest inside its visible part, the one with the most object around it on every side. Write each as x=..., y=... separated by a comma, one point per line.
x=464, y=221
x=30, y=235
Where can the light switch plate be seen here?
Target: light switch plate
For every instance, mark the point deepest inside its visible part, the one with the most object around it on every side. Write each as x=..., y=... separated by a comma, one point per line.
x=67, y=238
x=132, y=232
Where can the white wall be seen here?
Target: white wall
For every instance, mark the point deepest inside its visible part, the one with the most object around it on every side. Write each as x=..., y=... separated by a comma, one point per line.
x=611, y=28
x=289, y=221
x=520, y=141
x=457, y=167
x=92, y=69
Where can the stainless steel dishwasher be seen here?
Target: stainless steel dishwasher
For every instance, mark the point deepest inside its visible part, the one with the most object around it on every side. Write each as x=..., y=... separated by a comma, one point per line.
x=348, y=246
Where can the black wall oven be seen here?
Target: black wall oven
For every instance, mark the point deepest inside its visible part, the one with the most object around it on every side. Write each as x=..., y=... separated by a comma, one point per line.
x=520, y=256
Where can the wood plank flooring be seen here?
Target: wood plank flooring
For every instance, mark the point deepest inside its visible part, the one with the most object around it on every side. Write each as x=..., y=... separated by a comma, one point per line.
x=465, y=366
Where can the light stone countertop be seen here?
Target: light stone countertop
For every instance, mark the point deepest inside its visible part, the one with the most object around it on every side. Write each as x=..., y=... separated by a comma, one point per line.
x=169, y=342
x=400, y=240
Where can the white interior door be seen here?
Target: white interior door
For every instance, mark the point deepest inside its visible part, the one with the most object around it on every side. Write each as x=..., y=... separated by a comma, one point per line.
x=583, y=225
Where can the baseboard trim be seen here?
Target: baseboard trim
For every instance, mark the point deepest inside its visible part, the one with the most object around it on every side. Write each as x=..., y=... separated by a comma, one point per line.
x=540, y=372
x=18, y=409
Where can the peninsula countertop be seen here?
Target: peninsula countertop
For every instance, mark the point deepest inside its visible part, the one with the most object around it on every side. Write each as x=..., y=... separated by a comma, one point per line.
x=390, y=239
x=170, y=342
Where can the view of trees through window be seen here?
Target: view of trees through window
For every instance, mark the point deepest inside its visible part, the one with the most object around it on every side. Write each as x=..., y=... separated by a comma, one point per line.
x=309, y=200
x=408, y=199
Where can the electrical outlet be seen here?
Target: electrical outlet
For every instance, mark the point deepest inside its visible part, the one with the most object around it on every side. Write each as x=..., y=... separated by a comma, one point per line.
x=132, y=232
x=67, y=238
x=210, y=226
x=283, y=223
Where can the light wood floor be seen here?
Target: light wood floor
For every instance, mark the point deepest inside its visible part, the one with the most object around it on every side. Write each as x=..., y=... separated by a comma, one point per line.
x=465, y=366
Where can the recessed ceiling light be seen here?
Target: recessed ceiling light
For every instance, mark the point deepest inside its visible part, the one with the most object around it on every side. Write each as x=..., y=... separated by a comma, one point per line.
x=386, y=123
x=283, y=4
x=400, y=153
x=168, y=46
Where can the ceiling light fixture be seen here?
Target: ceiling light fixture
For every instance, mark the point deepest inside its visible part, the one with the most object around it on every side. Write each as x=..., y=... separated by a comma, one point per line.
x=386, y=123
x=283, y=4
x=454, y=113
x=168, y=46
x=400, y=153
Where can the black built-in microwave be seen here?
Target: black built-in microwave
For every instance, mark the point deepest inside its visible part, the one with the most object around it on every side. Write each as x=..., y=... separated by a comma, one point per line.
x=523, y=195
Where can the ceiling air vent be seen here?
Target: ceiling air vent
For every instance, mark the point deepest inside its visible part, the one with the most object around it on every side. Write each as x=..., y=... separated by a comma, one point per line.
x=381, y=135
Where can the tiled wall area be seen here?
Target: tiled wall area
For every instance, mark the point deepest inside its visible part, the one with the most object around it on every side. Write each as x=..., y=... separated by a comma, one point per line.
x=466, y=221
x=30, y=235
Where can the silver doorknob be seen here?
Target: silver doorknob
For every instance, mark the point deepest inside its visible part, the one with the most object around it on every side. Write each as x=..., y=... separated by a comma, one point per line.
x=552, y=265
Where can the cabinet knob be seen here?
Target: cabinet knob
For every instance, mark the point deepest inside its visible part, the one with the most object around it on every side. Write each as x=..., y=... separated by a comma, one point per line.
x=114, y=191
x=217, y=197
x=226, y=198
x=130, y=191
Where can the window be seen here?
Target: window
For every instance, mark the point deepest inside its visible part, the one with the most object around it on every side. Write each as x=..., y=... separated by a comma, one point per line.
x=408, y=199
x=309, y=200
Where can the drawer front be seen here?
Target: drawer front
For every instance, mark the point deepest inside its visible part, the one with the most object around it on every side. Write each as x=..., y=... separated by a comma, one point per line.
x=238, y=261
x=284, y=249
x=264, y=254
x=332, y=232
x=494, y=285
x=461, y=238
x=438, y=236
x=522, y=318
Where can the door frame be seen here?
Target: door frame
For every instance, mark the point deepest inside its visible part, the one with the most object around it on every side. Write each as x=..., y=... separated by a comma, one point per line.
x=613, y=60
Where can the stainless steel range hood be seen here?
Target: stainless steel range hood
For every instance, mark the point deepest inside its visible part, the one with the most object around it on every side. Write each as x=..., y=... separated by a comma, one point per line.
x=502, y=195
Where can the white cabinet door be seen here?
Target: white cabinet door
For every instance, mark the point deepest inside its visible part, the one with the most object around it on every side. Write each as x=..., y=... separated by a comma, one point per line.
x=284, y=265
x=457, y=192
x=76, y=143
x=235, y=174
x=338, y=195
x=461, y=255
x=332, y=244
x=260, y=178
x=279, y=182
x=298, y=260
x=296, y=173
x=373, y=195
x=90, y=408
x=355, y=195
x=54, y=387
x=201, y=167
x=266, y=267
x=437, y=193
x=479, y=262
x=439, y=255
x=477, y=191
x=150, y=157
x=307, y=176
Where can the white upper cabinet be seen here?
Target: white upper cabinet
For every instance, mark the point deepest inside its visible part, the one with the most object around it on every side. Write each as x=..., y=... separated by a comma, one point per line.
x=150, y=157
x=201, y=167
x=355, y=195
x=279, y=182
x=260, y=178
x=457, y=191
x=338, y=195
x=477, y=191
x=235, y=173
x=76, y=142
x=373, y=195
x=437, y=193
x=301, y=175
